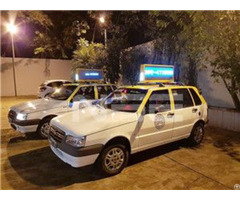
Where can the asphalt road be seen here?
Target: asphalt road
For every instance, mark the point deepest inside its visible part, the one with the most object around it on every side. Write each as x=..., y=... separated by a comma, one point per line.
x=27, y=162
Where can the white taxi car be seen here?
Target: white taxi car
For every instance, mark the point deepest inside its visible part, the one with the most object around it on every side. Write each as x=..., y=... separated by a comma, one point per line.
x=129, y=120
x=35, y=115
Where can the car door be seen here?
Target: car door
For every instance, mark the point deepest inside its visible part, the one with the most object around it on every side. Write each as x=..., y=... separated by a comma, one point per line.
x=184, y=112
x=157, y=125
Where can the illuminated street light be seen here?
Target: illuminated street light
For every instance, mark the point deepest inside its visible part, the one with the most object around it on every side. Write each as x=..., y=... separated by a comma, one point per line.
x=102, y=20
x=12, y=29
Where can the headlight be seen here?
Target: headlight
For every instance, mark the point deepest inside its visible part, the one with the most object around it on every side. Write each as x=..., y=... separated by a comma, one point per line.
x=21, y=116
x=75, y=141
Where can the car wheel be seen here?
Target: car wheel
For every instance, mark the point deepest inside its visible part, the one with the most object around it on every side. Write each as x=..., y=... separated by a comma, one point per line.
x=113, y=159
x=196, y=135
x=44, y=127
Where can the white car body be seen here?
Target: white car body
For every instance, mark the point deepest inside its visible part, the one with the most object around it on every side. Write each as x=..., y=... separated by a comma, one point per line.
x=98, y=126
x=48, y=87
x=33, y=112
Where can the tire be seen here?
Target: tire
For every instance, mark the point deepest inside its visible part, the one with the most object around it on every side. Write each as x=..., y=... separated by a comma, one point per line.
x=196, y=135
x=112, y=159
x=43, y=127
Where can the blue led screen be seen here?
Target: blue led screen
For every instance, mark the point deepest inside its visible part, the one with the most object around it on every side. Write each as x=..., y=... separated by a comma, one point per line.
x=156, y=72
x=90, y=75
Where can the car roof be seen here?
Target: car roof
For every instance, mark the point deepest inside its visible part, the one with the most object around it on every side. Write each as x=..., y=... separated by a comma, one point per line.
x=84, y=84
x=155, y=87
x=56, y=80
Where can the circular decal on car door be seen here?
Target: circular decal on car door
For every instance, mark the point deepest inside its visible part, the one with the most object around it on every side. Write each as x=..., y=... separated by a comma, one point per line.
x=159, y=121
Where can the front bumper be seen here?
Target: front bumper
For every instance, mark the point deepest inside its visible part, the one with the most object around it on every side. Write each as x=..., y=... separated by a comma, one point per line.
x=74, y=156
x=72, y=160
x=24, y=129
x=23, y=126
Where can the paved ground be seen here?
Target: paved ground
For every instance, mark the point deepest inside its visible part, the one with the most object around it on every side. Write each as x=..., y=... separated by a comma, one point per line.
x=28, y=163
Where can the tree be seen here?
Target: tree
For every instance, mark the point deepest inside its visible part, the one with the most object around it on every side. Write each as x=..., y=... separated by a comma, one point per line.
x=60, y=39
x=131, y=61
x=125, y=29
x=221, y=38
x=212, y=37
x=89, y=55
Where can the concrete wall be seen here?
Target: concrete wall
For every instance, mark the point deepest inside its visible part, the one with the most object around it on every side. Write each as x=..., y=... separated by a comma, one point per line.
x=30, y=73
x=215, y=93
x=224, y=118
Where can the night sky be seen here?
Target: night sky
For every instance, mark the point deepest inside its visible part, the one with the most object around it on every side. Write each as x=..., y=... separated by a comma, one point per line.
x=26, y=32
x=23, y=39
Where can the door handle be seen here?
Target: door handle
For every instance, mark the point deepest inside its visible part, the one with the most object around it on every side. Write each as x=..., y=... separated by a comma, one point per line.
x=169, y=115
x=194, y=110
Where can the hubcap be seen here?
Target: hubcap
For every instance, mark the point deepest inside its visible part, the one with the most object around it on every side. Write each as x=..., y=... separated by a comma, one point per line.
x=198, y=134
x=45, y=128
x=114, y=159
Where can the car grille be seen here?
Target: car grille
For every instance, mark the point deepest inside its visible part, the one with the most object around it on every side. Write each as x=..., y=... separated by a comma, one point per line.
x=57, y=134
x=12, y=115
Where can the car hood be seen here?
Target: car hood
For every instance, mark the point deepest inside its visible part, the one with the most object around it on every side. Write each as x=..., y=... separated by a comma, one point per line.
x=38, y=105
x=91, y=120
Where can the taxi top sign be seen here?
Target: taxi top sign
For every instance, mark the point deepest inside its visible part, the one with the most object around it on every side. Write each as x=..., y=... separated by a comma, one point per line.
x=159, y=73
x=91, y=75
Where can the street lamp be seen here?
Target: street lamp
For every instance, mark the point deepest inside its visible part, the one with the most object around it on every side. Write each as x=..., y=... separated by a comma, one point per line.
x=102, y=20
x=12, y=29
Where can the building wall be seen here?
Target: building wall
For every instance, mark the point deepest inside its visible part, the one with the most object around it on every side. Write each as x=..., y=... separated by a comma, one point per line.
x=215, y=93
x=30, y=73
x=224, y=118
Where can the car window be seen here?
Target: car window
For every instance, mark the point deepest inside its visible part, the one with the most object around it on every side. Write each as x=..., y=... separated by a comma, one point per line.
x=196, y=98
x=159, y=101
x=55, y=84
x=87, y=92
x=63, y=93
x=79, y=95
x=182, y=98
x=103, y=91
x=124, y=99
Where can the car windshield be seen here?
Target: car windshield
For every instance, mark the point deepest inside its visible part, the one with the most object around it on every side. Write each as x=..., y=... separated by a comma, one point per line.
x=124, y=99
x=63, y=93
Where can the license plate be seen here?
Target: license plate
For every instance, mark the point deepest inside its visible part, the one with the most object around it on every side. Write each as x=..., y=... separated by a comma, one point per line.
x=53, y=142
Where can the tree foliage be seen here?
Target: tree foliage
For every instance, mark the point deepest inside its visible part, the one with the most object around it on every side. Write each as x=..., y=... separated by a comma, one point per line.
x=221, y=39
x=131, y=61
x=89, y=55
x=59, y=40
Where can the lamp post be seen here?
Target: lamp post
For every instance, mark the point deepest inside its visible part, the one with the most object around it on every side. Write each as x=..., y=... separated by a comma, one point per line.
x=12, y=29
x=102, y=20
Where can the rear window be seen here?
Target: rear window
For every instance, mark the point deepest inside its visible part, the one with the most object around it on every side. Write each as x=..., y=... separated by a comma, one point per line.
x=195, y=96
x=182, y=98
x=55, y=84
